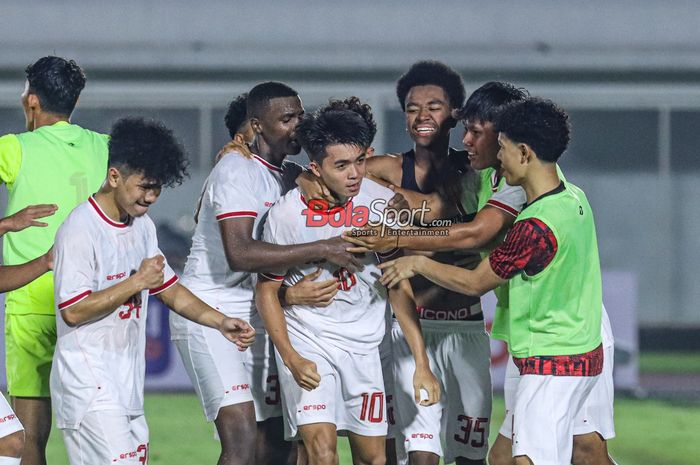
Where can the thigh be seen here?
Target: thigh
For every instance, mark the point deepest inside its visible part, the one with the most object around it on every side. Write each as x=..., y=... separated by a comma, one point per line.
x=467, y=381
x=216, y=368
x=105, y=438
x=30, y=341
x=301, y=407
x=367, y=449
x=543, y=416
x=420, y=427
x=361, y=401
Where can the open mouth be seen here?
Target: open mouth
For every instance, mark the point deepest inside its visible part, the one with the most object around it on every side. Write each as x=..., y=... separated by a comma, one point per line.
x=424, y=130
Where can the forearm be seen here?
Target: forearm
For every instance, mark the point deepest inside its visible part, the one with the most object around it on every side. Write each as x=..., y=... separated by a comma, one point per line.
x=259, y=256
x=404, y=309
x=15, y=276
x=183, y=302
x=101, y=303
x=450, y=277
x=268, y=304
x=459, y=237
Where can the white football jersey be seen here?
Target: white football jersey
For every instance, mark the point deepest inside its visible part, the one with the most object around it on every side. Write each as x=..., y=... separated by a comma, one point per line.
x=100, y=365
x=355, y=320
x=237, y=187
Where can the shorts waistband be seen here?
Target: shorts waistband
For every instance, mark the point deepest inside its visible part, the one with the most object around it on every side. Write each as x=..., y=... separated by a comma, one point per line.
x=444, y=326
x=586, y=364
x=458, y=314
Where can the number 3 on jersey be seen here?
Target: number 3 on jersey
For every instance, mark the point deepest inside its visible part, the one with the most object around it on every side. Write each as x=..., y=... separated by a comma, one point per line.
x=346, y=279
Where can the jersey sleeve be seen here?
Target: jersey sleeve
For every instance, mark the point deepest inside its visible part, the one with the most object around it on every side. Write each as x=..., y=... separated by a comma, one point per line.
x=10, y=158
x=234, y=191
x=74, y=267
x=510, y=199
x=529, y=247
x=169, y=276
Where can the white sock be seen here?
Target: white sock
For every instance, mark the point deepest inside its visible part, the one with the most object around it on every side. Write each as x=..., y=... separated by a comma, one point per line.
x=9, y=461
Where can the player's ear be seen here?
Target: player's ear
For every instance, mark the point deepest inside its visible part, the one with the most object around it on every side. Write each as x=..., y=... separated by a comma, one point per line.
x=369, y=152
x=113, y=176
x=315, y=168
x=255, y=124
x=33, y=102
x=526, y=153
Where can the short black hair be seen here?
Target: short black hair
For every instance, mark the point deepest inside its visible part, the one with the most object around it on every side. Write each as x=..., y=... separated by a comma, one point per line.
x=486, y=102
x=346, y=121
x=57, y=82
x=538, y=123
x=236, y=114
x=425, y=73
x=260, y=95
x=145, y=146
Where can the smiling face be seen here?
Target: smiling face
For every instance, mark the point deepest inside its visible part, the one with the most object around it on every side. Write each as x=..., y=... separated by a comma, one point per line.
x=513, y=159
x=277, y=125
x=428, y=115
x=133, y=193
x=481, y=142
x=342, y=169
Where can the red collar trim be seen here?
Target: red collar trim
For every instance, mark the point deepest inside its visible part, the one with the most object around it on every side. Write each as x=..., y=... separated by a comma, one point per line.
x=104, y=216
x=321, y=206
x=267, y=164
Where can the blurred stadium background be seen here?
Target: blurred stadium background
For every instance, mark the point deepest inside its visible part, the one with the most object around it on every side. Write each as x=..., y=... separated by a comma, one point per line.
x=627, y=71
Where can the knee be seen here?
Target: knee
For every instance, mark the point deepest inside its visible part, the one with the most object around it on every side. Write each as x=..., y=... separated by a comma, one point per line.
x=589, y=449
x=322, y=452
x=499, y=456
x=236, y=425
x=12, y=445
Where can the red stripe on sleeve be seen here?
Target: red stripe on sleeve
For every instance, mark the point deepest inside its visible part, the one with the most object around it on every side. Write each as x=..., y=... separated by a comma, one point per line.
x=503, y=206
x=74, y=300
x=271, y=277
x=164, y=286
x=249, y=214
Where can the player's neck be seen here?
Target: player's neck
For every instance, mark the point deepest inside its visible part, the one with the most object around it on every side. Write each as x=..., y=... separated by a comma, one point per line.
x=47, y=119
x=432, y=156
x=260, y=148
x=107, y=201
x=540, y=180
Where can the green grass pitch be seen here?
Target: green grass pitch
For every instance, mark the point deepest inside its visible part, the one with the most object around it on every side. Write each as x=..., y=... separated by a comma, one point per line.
x=648, y=432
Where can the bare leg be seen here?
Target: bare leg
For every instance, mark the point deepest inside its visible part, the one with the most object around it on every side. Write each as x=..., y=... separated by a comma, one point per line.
x=271, y=448
x=35, y=415
x=501, y=452
x=237, y=431
x=591, y=449
x=321, y=443
x=367, y=450
x=12, y=445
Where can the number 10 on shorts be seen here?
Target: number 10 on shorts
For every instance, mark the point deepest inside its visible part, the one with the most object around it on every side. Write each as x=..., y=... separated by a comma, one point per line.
x=372, y=409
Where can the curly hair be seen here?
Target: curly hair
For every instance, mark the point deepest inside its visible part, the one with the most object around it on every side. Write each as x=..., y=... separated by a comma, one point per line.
x=539, y=123
x=346, y=121
x=148, y=147
x=57, y=82
x=425, y=73
x=486, y=102
x=236, y=114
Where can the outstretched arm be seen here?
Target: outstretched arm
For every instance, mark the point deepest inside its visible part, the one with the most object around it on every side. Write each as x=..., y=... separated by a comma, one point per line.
x=15, y=276
x=471, y=282
x=182, y=301
x=244, y=253
x=476, y=234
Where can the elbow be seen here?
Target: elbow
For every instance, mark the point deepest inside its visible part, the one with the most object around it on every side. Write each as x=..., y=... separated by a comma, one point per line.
x=70, y=318
x=240, y=262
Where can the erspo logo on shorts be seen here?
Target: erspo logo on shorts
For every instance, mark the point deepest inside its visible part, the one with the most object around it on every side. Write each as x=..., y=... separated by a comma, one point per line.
x=7, y=418
x=421, y=436
x=314, y=407
x=239, y=387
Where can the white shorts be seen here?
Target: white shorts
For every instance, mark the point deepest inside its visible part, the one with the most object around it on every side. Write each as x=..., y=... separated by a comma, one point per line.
x=544, y=413
x=460, y=355
x=222, y=375
x=108, y=438
x=9, y=423
x=350, y=394
x=597, y=412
